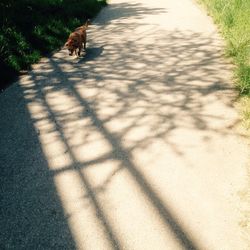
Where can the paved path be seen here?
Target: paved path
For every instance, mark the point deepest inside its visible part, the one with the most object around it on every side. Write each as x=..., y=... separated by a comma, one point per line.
x=134, y=146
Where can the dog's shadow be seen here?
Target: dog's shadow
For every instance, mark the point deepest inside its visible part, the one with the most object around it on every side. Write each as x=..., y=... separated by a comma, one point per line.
x=90, y=54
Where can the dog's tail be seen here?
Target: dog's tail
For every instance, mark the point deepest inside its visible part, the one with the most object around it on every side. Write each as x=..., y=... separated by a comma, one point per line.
x=84, y=26
x=87, y=23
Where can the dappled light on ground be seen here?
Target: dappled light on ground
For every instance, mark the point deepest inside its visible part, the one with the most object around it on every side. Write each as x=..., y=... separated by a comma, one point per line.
x=134, y=131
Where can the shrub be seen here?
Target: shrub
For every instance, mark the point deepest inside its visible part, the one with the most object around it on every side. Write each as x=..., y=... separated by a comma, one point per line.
x=32, y=28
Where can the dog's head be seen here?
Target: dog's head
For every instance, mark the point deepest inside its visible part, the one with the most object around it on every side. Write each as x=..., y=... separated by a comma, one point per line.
x=70, y=46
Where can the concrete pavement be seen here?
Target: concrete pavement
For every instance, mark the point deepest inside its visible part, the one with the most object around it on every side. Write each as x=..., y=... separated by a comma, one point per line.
x=133, y=146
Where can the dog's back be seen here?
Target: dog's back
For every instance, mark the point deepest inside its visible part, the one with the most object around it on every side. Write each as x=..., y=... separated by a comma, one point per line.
x=84, y=27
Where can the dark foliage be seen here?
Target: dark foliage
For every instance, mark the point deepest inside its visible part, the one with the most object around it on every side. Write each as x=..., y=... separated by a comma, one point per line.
x=32, y=28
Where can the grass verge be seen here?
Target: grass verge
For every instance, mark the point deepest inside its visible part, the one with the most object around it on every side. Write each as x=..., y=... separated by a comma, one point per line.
x=233, y=19
x=30, y=29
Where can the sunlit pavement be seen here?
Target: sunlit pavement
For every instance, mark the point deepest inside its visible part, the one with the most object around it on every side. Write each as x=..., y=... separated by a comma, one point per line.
x=133, y=146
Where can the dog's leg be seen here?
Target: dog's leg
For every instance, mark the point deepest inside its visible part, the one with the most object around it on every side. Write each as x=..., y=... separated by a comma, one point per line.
x=80, y=48
x=84, y=41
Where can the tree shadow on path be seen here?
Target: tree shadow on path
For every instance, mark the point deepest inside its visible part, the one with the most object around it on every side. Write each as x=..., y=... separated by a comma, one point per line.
x=120, y=86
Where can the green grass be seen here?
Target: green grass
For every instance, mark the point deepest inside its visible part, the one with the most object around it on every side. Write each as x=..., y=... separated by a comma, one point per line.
x=233, y=19
x=30, y=29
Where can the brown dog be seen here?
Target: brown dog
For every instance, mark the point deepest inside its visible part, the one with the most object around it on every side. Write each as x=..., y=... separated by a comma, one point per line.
x=77, y=38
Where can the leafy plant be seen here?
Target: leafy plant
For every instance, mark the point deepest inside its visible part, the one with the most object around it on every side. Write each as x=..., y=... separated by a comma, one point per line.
x=32, y=28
